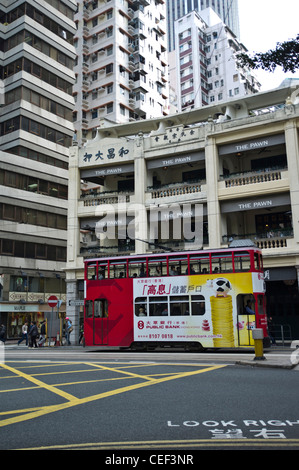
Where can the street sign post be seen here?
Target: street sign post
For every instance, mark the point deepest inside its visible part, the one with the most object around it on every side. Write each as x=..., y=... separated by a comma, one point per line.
x=76, y=303
x=52, y=302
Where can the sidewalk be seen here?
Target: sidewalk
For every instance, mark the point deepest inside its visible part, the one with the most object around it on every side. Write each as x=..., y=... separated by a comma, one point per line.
x=279, y=357
x=275, y=356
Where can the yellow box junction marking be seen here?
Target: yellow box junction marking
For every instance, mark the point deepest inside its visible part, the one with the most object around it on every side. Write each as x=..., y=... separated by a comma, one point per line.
x=73, y=401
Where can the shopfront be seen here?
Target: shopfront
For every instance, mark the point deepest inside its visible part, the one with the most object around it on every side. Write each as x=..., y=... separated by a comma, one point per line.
x=13, y=316
x=283, y=300
x=264, y=217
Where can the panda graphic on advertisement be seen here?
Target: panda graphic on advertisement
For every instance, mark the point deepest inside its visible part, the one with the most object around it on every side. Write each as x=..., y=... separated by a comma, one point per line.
x=221, y=286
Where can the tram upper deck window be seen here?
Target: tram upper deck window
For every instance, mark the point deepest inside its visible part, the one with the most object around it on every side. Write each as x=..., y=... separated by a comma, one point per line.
x=157, y=266
x=102, y=269
x=222, y=262
x=177, y=265
x=137, y=267
x=258, y=261
x=199, y=264
x=92, y=270
x=117, y=269
x=242, y=261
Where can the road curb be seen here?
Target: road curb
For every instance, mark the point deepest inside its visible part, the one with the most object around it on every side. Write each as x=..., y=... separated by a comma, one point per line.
x=265, y=364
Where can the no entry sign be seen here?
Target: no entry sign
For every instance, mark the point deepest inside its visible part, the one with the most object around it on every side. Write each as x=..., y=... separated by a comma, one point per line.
x=52, y=301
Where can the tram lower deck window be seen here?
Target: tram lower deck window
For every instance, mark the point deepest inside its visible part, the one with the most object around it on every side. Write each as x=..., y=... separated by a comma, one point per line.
x=158, y=306
x=179, y=305
x=198, y=306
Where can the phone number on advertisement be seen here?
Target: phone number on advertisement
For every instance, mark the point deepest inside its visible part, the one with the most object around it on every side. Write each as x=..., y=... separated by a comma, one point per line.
x=158, y=336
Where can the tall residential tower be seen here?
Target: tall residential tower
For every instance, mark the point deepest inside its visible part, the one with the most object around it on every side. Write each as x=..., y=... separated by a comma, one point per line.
x=227, y=10
x=206, y=70
x=121, y=69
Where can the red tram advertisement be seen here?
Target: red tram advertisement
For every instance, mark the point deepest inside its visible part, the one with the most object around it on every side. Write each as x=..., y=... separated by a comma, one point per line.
x=196, y=299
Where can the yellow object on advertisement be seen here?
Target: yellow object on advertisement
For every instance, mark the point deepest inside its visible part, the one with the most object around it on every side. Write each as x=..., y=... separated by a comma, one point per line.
x=222, y=321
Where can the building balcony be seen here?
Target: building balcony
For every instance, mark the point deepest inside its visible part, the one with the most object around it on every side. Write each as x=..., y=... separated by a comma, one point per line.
x=97, y=250
x=234, y=184
x=176, y=192
x=94, y=199
x=274, y=239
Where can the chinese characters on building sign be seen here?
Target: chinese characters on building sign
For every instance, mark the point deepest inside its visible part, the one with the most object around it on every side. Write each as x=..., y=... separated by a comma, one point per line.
x=110, y=155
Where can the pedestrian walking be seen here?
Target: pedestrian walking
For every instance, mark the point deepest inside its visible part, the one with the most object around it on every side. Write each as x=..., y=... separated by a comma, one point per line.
x=68, y=330
x=81, y=337
x=42, y=337
x=2, y=333
x=24, y=334
x=33, y=332
x=271, y=330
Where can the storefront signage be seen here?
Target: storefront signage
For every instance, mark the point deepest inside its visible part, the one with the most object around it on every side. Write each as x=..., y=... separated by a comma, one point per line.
x=106, y=171
x=247, y=145
x=18, y=308
x=254, y=204
x=106, y=151
x=179, y=160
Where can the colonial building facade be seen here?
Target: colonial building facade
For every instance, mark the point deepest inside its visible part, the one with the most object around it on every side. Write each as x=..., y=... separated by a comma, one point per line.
x=235, y=164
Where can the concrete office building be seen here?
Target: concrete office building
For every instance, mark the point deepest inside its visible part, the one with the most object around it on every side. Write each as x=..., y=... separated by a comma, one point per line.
x=36, y=66
x=238, y=160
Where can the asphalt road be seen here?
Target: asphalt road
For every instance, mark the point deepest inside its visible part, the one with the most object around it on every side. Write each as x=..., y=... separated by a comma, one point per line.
x=165, y=403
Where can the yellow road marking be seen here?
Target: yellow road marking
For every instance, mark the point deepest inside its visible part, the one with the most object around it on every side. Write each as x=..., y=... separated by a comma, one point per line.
x=121, y=371
x=148, y=445
x=73, y=401
x=51, y=388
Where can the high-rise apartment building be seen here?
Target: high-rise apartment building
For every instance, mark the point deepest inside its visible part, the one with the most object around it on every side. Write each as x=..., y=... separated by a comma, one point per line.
x=121, y=69
x=227, y=10
x=36, y=74
x=206, y=69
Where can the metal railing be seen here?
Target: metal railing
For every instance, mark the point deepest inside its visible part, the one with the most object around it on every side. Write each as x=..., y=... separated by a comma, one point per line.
x=281, y=333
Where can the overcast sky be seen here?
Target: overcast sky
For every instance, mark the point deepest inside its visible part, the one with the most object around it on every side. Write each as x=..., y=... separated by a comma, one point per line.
x=264, y=23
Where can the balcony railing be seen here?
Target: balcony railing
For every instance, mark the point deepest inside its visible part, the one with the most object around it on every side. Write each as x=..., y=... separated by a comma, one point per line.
x=252, y=177
x=265, y=240
x=94, y=198
x=176, y=189
x=102, y=251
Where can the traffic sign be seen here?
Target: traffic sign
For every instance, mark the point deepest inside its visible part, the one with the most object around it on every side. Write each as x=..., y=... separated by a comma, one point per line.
x=76, y=303
x=52, y=301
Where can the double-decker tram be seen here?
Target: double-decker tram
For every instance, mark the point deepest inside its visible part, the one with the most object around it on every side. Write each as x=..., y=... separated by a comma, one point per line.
x=195, y=299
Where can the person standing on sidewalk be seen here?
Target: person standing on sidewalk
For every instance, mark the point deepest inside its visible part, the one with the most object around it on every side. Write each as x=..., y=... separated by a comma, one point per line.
x=2, y=333
x=24, y=334
x=68, y=330
x=33, y=332
x=42, y=337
